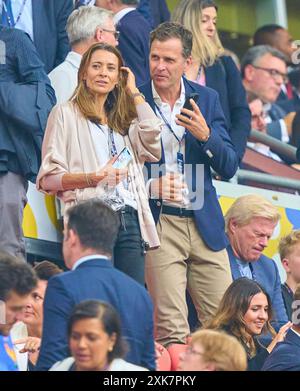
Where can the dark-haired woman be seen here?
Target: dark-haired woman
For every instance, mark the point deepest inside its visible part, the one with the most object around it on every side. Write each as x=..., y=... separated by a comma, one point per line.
x=245, y=312
x=95, y=340
x=83, y=139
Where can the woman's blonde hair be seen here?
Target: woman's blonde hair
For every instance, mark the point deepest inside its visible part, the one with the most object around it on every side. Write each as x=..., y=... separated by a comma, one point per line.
x=221, y=349
x=232, y=309
x=245, y=208
x=119, y=105
x=189, y=13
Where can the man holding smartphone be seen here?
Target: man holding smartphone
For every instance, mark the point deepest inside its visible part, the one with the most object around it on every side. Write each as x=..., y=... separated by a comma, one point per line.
x=191, y=229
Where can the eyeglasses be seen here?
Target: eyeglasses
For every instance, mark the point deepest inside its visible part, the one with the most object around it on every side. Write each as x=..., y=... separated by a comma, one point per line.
x=114, y=32
x=274, y=73
x=261, y=116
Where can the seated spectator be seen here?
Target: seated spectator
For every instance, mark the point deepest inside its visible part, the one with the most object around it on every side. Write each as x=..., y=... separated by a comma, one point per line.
x=90, y=233
x=134, y=35
x=45, y=22
x=289, y=250
x=249, y=224
x=245, y=312
x=264, y=70
x=17, y=280
x=258, y=122
x=95, y=340
x=286, y=354
x=83, y=140
x=27, y=334
x=211, y=350
x=85, y=26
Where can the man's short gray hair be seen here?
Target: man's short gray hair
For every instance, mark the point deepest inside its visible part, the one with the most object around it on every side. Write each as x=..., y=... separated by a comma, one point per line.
x=82, y=22
x=256, y=52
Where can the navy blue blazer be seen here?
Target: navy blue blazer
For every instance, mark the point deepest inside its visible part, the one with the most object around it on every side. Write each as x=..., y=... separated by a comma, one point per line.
x=225, y=78
x=285, y=356
x=26, y=99
x=155, y=11
x=97, y=279
x=49, y=30
x=267, y=275
x=134, y=44
x=217, y=153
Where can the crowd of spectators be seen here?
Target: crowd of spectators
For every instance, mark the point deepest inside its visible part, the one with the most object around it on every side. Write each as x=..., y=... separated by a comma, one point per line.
x=125, y=117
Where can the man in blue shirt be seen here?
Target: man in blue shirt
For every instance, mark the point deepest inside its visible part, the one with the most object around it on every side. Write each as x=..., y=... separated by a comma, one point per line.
x=250, y=223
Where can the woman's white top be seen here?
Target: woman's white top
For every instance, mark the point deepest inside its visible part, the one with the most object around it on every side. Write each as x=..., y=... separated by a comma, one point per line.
x=118, y=364
x=101, y=140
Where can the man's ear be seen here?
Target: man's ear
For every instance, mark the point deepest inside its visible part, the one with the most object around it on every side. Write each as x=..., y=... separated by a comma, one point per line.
x=188, y=62
x=72, y=237
x=249, y=73
x=98, y=35
x=286, y=264
x=232, y=226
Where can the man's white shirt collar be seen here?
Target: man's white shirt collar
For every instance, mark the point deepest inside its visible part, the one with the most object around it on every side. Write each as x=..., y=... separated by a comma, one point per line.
x=158, y=100
x=88, y=258
x=119, y=15
x=74, y=59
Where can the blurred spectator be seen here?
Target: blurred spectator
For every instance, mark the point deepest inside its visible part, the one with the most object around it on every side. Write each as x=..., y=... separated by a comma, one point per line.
x=245, y=312
x=45, y=22
x=258, y=122
x=26, y=98
x=211, y=350
x=85, y=26
x=211, y=68
x=289, y=250
x=80, y=3
x=17, y=280
x=264, y=71
x=192, y=254
x=279, y=38
x=154, y=11
x=134, y=36
x=249, y=224
x=286, y=354
x=95, y=340
x=89, y=238
x=27, y=334
x=83, y=140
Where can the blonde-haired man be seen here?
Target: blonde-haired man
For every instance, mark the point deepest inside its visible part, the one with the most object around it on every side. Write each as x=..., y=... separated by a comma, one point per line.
x=249, y=224
x=289, y=250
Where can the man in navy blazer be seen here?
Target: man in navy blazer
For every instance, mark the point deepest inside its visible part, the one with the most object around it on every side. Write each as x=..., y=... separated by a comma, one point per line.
x=191, y=226
x=45, y=22
x=286, y=354
x=250, y=223
x=89, y=239
x=134, y=35
x=26, y=98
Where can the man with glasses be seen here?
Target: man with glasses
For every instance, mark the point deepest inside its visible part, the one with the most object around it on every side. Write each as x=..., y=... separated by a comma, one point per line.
x=264, y=71
x=85, y=26
x=134, y=35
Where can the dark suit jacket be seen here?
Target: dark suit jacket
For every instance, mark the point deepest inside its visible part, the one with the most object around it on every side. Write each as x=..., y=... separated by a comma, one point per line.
x=155, y=11
x=218, y=153
x=267, y=275
x=97, y=279
x=288, y=298
x=49, y=30
x=274, y=128
x=26, y=98
x=286, y=355
x=224, y=77
x=134, y=44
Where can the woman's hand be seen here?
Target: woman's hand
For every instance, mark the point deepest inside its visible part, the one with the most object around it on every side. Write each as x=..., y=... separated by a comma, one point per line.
x=111, y=176
x=130, y=86
x=32, y=344
x=279, y=337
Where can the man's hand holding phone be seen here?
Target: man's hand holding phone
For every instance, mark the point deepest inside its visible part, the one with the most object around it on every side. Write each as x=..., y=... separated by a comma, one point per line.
x=194, y=121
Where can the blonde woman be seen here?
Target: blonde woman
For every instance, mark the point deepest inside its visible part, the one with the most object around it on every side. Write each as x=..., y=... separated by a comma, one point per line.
x=211, y=68
x=83, y=139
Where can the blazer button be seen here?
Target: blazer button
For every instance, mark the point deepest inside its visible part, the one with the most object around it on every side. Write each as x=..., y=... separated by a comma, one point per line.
x=158, y=203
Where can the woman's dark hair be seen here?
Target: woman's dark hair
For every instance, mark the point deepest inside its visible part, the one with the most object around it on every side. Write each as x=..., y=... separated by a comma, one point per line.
x=233, y=307
x=46, y=269
x=109, y=318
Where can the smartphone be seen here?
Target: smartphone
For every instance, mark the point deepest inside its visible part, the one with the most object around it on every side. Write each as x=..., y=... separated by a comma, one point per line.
x=187, y=104
x=123, y=159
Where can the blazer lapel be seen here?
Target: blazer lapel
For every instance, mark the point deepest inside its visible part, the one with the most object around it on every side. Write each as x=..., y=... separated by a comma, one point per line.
x=235, y=271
